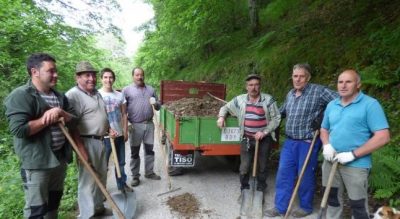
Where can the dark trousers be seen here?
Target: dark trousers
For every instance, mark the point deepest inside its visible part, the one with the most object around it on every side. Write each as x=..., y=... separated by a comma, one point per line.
x=246, y=161
x=120, y=151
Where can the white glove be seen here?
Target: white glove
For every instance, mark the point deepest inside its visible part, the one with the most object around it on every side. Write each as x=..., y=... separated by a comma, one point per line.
x=328, y=152
x=152, y=100
x=344, y=157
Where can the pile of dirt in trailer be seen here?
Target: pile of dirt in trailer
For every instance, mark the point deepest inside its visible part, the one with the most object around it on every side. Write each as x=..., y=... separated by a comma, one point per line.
x=186, y=205
x=194, y=107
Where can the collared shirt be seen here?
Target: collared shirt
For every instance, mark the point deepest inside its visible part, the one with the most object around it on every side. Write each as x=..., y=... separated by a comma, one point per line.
x=138, y=105
x=352, y=125
x=91, y=111
x=301, y=111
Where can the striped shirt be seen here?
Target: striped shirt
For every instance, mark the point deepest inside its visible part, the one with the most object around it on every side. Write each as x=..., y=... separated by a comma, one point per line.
x=254, y=119
x=137, y=102
x=57, y=136
x=301, y=111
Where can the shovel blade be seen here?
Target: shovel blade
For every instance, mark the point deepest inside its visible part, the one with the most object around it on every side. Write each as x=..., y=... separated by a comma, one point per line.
x=126, y=202
x=258, y=204
x=245, y=206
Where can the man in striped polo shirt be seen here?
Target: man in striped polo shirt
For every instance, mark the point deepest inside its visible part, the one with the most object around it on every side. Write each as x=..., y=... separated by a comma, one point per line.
x=33, y=111
x=258, y=116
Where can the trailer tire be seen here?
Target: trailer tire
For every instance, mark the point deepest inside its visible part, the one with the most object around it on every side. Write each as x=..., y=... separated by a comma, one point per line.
x=172, y=171
x=234, y=162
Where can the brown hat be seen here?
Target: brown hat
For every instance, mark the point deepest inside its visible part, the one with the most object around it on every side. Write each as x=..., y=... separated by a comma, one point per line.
x=84, y=66
x=253, y=76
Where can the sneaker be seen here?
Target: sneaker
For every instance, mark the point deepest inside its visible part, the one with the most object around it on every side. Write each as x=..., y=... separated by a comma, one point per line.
x=153, y=176
x=135, y=182
x=273, y=212
x=125, y=188
x=300, y=213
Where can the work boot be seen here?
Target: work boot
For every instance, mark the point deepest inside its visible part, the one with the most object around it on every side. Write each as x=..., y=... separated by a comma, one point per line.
x=153, y=176
x=300, y=213
x=273, y=212
x=135, y=181
x=103, y=212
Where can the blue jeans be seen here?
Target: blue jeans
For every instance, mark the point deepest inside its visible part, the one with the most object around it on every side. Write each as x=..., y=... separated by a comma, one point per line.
x=120, y=150
x=293, y=154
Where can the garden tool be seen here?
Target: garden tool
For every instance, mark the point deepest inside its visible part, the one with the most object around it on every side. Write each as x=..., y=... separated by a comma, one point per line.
x=258, y=196
x=112, y=202
x=164, y=153
x=327, y=190
x=125, y=200
x=303, y=169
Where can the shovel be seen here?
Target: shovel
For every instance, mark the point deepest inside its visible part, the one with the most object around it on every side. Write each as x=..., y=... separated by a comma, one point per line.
x=252, y=201
x=303, y=169
x=327, y=190
x=258, y=196
x=126, y=200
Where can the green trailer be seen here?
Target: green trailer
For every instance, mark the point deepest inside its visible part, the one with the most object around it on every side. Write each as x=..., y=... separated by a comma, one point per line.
x=187, y=134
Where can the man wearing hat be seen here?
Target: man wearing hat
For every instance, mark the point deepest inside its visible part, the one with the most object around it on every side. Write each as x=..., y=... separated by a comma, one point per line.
x=92, y=126
x=258, y=116
x=303, y=107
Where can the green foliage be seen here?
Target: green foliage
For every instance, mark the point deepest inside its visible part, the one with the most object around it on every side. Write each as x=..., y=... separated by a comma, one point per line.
x=211, y=40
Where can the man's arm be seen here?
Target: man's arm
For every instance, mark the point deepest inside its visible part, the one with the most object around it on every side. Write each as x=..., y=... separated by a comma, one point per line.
x=230, y=107
x=49, y=117
x=324, y=136
x=79, y=143
x=378, y=140
x=124, y=121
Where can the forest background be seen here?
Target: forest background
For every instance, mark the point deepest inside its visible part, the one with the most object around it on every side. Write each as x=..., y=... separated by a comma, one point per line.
x=214, y=41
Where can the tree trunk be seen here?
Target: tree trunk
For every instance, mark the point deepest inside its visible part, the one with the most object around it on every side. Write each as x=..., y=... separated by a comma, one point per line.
x=254, y=21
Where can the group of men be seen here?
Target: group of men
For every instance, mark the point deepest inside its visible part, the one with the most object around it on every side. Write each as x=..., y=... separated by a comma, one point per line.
x=353, y=126
x=95, y=119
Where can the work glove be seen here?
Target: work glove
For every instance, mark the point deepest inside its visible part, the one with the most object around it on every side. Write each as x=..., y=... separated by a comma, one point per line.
x=152, y=100
x=344, y=157
x=328, y=152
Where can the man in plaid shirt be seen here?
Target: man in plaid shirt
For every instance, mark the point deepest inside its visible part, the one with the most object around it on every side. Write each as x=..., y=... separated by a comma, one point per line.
x=302, y=108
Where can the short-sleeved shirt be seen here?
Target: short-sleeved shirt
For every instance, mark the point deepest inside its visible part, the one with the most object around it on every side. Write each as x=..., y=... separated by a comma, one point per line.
x=113, y=101
x=90, y=110
x=137, y=102
x=353, y=125
x=301, y=111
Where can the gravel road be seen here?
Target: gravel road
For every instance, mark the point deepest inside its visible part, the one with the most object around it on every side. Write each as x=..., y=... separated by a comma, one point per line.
x=212, y=182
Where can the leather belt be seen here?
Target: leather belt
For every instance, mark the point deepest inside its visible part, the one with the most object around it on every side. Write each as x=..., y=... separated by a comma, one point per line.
x=93, y=137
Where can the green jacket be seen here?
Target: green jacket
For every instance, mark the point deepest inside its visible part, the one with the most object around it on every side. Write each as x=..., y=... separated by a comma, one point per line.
x=237, y=107
x=25, y=104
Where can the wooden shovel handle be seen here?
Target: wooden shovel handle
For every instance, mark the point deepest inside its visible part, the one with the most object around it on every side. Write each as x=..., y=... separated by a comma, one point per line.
x=115, y=157
x=255, y=159
x=300, y=178
x=92, y=172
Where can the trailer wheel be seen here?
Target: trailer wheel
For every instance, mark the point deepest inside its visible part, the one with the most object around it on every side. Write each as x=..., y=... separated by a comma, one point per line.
x=234, y=162
x=172, y=171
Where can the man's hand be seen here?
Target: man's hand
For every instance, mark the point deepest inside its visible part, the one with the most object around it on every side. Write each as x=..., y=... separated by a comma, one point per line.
x=259, y=135
x=112, y=133
x=221, y=122
x=328, y=152
x=152, y=100
x=344, y=157
x=51, y=116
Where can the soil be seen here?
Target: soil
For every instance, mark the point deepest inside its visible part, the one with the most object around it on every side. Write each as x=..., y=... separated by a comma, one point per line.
x=185, y=205
x=205, y=106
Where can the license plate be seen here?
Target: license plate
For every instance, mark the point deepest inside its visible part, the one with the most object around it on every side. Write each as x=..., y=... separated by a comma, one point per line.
x=230, y=134
x=182, y=159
